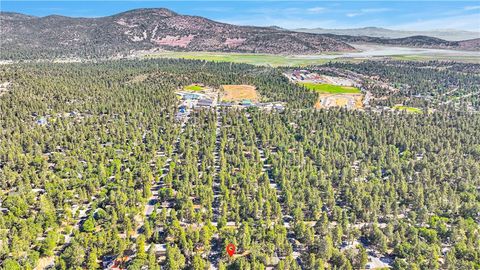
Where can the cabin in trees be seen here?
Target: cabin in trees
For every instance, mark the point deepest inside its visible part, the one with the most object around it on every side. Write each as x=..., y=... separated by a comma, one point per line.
x=205, y=103
x=115, y=262
x=41, y=121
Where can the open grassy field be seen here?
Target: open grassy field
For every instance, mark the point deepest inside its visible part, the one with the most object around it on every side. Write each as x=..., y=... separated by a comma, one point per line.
x=248, y=58
x=407, y=109
x=457, y=58
x=193, y=87
x=237, y=92
x=305, y=60
x=325, y=88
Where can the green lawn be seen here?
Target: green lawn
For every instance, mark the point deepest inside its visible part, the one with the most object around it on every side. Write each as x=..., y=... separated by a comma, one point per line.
x=407, y=109
x=193, y=87
x=324, y=88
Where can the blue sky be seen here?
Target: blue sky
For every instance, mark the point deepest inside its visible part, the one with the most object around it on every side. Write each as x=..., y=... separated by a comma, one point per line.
x=409, y=15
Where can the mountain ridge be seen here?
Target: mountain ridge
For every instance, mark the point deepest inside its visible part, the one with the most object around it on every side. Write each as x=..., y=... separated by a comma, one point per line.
x=372, y=31
x=143, y=29
x=412, y=41
x=53, y=36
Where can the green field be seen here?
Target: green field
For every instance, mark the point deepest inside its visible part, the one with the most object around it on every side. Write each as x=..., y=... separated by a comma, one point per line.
x=293, y=60
x=433, y=57
x=193, y=87
x=324, y=88
x=407, y=109
x=249, y=58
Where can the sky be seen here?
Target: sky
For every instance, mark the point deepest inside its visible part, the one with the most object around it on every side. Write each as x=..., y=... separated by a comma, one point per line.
x=402, y=15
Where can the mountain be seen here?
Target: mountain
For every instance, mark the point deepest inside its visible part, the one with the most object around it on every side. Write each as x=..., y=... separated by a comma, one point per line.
x=446, y=34
x=29, y=37
x=26, y=36
x=413, y=41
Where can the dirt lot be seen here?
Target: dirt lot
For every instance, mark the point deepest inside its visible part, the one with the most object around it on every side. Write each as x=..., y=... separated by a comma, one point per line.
x=238, y=92
x=351, y=101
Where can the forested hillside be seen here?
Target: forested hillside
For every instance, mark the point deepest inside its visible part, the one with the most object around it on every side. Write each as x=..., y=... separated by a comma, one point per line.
x=29, y=37
x=85, y=147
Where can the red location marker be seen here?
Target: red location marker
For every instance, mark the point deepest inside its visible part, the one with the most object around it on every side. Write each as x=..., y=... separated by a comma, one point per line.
x=231, y=249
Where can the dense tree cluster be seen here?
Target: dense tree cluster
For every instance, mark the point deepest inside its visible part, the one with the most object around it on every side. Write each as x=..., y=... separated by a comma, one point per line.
x=82, y=146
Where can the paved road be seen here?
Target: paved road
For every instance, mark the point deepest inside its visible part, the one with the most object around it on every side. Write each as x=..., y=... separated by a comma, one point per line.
x=215, y=253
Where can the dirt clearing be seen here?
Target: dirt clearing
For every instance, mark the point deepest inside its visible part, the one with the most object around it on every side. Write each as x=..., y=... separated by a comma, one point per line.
x=237, y=92
x=350, y=101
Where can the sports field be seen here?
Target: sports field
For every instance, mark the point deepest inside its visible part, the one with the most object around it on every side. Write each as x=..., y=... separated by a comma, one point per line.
x=324, y=88
x=238, y=92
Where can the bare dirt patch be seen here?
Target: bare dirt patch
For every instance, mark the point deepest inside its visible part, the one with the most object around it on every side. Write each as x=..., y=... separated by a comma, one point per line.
x=175, y=41
x=237, y=92
x=45, y=263
x=234, y=42
x=350, y=101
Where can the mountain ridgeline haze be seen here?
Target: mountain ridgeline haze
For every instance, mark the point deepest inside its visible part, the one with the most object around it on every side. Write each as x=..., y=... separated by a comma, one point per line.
x=30, y=37
x=446, y=34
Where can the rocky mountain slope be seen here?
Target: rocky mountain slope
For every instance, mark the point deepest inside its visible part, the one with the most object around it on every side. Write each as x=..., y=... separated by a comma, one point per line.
x=142, y=29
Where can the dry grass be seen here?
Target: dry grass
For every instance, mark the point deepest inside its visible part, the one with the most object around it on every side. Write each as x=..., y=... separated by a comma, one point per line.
x=237, y=92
